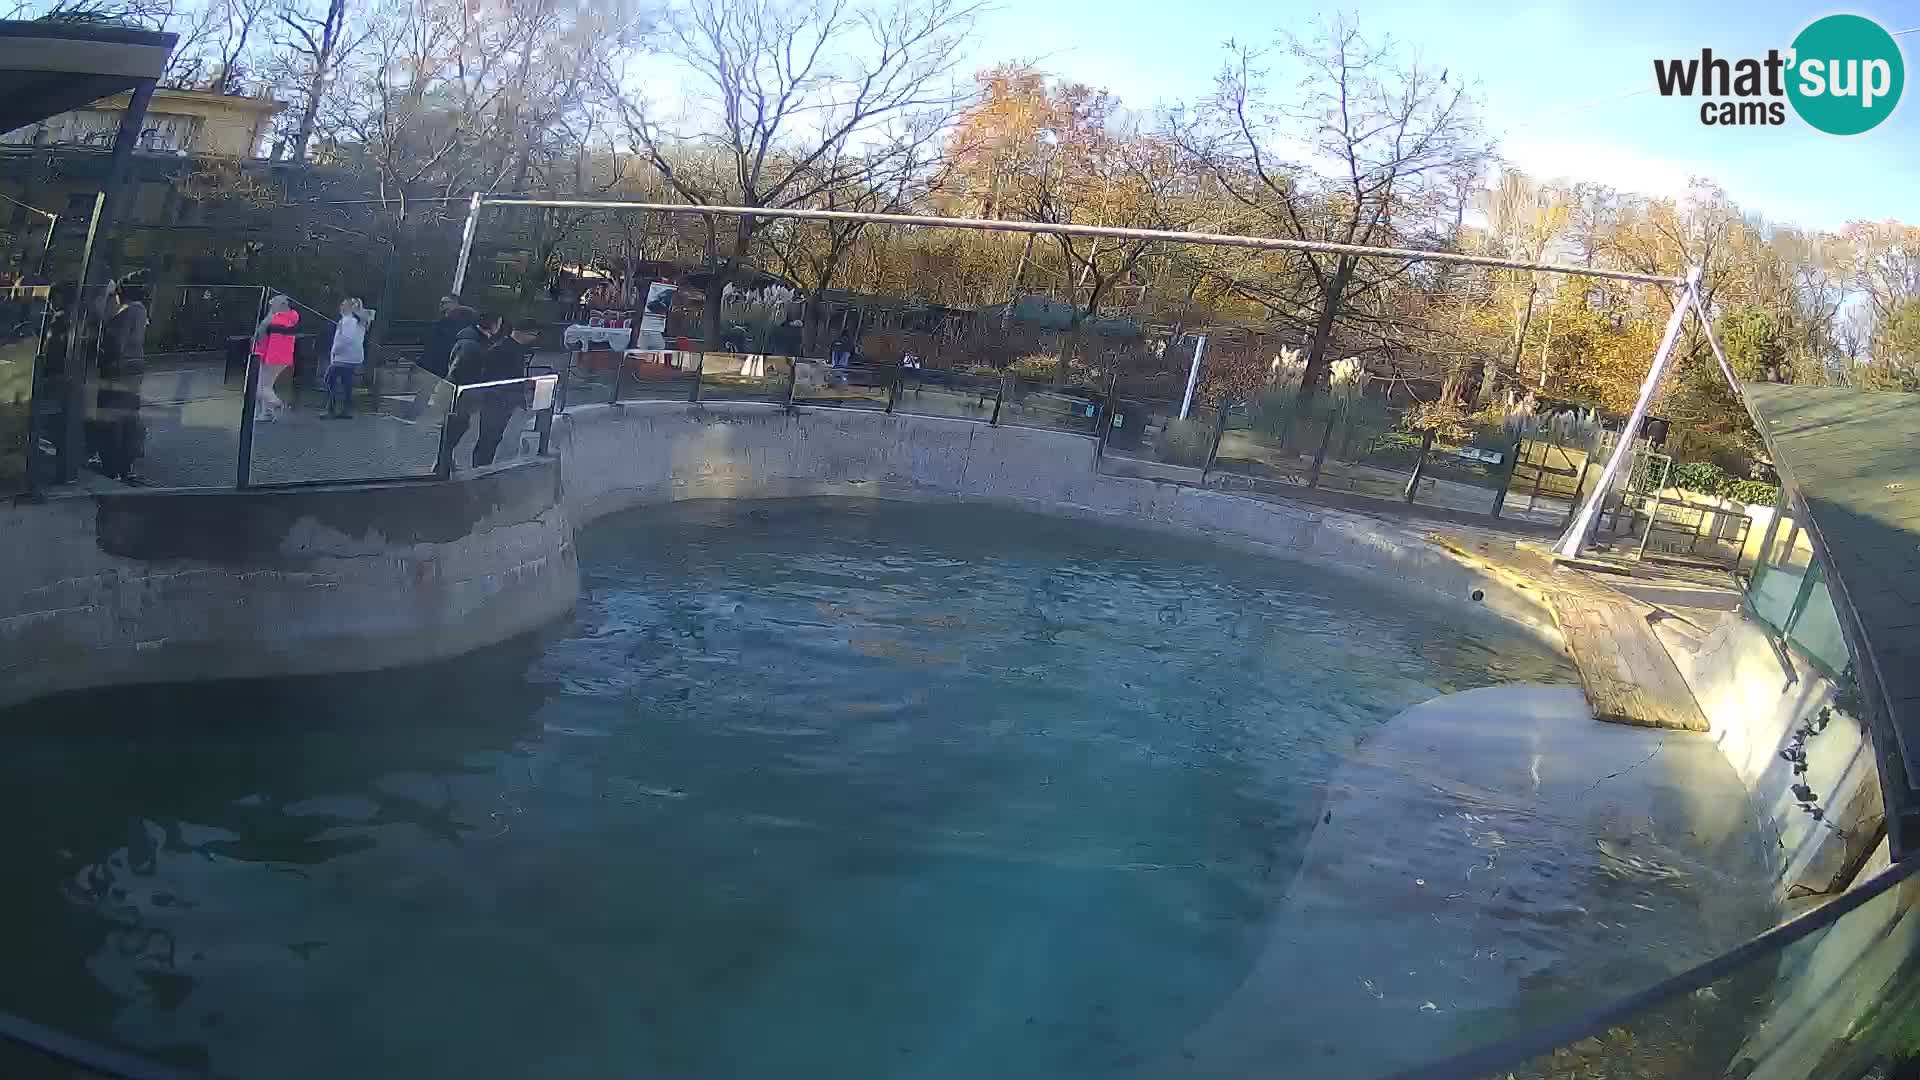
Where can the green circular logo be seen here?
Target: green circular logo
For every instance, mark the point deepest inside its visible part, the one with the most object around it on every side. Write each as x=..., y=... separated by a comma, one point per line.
x=1847, y=74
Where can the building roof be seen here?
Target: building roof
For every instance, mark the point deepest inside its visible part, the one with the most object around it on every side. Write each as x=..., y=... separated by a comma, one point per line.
x=1853, y=456
x=50, y=68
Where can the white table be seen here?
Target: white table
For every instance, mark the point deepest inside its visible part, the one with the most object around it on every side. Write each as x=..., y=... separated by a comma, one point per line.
x=577, y=337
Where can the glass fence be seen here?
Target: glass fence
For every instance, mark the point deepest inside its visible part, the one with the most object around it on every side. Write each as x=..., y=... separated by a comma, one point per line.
x=1832, y=994
x=496, y=423
x=1788, y=592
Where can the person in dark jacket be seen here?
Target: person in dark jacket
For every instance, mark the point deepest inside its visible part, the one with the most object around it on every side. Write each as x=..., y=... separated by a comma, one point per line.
x=465, y=366
x=454, y=318
x=506, y=358
x=123, y=354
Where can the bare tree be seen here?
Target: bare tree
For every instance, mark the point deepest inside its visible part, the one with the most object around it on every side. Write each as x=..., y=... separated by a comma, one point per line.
x=792, y=89
x=1365, y=151
x=315, y=46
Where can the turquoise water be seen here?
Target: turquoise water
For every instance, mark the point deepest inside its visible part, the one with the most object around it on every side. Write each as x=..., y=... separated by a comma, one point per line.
x=806, y=788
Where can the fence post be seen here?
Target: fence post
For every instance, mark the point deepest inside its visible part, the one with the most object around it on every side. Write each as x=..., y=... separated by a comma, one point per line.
x=1513, y=465
x=1579, y=492
x=699, y=365
x=243, y=467
x=1320, y=453
x=619, y=373
x=443, y=465
x=1419, y=465
x=793, y=379
x=999, y=395
x=1213, y=448
x=1106, y=416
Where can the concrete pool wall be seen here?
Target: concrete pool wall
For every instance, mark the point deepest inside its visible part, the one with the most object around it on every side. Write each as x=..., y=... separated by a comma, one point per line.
x=165, y=586
x=154, y=586
x=622, y=456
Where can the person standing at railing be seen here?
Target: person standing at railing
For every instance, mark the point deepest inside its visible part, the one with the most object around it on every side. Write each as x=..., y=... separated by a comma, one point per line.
x=273, y=343
x=437, y=357
x=348, y=352
x=506, y=358
x=465, y=367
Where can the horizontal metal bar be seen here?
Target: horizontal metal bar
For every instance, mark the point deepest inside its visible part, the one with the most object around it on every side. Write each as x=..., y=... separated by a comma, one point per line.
x=1262, y=243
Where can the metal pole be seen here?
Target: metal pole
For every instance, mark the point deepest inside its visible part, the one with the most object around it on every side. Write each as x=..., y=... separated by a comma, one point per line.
x=466, y=244
x=1574, y=541
x=1419, y=466
x=1106, y=416
x=699, y=366
x=1513, y=463
x=1264, y=243
x=243, y=467
x=893, y=392
x=1213, y=450
x=73, y=443
x=999, y=395
x=46, y=250
x=793, y=378
x=443, y=465
x=619, y=372
x=1193, y=373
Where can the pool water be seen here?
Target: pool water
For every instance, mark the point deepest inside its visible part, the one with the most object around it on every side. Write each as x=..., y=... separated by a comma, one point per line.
x=806, y=788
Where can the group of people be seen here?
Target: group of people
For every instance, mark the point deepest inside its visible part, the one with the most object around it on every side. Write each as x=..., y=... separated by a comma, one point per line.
x=273, y=342
x=467, y=349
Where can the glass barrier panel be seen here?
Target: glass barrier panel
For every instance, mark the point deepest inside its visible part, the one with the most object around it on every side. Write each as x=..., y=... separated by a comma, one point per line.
x=301, y=436
x=1267, y=445
x=591, y=375
x=500, y=424
x=1033, y=403
x=944, y=392
x=1137, y=428
x=24, y=316
x=1370, y=454
x=859, y=386
x=1775, y=586
x=1816, y=628
x=744, y=377
x=1462, y=476
x=654, y=375
x=1841, y=1001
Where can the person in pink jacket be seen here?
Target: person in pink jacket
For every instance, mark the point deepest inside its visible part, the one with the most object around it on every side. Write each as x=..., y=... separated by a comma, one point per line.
x=273, y=344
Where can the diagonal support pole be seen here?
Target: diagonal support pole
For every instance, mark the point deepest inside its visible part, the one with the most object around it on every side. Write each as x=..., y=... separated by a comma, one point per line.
x=1574, y=541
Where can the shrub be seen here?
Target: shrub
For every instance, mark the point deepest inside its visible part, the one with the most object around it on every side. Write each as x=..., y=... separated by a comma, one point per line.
x=1035, y=366
x=1702, y=476
x=1753, y=492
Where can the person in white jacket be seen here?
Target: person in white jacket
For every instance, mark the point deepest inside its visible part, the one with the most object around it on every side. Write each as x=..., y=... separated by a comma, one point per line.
x=348, y=353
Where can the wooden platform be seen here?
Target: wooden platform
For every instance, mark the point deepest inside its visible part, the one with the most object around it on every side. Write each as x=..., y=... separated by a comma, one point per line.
x=1624, y=669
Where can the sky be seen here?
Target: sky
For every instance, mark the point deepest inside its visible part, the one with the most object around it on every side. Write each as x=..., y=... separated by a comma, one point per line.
x=1557, y=79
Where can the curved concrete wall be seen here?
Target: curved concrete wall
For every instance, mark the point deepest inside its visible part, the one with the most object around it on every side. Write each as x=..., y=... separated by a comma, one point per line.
x=622, y=456
x=170, y=586
x=159, y=586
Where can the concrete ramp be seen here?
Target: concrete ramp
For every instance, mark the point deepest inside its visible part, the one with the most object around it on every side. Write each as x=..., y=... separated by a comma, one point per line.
x=1487, y=862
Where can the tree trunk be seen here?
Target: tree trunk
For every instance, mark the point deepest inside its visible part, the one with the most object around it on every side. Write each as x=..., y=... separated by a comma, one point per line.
x=810, y=321
x=1491, y=371
x=1314, y=378
x=1065, y=365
